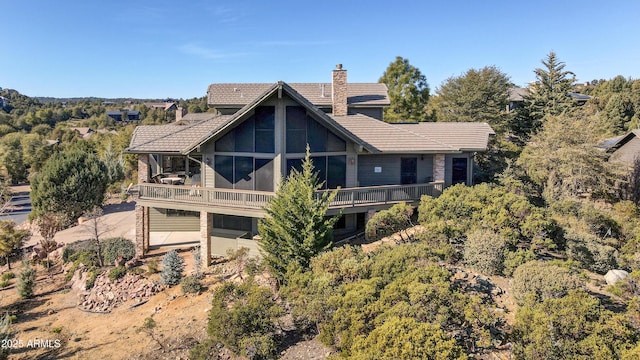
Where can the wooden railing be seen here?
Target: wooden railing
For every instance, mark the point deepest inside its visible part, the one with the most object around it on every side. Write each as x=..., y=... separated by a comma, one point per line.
x=347, y=197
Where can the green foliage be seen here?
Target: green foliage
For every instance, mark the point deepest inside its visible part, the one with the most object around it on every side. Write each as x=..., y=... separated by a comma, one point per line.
x=514, y=217
x=352, y=299
x=513, y=259
x=152, y=266
x=563, y=161
x=406, y=338
x=242, y=317
x=484, y=251
x=8, y=275
x=296, y=228
x=81, y=249
x=70, y=183
x=26, y=281
x=591, y=252
x=478, y=95
x=117, y=272
x=539, y=281
x=114, y=247
x=11, y=239
x=408, y=92
x=172, y=267
x=548, y=95
x=191, y=285
x=572, y=327
x=387, y=222
x=6, y=333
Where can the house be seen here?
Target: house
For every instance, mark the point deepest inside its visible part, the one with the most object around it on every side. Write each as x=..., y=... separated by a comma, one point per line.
x=624, y=149
x=205, y=178
x=132, y=115
x=517, y=95
x=166, y=106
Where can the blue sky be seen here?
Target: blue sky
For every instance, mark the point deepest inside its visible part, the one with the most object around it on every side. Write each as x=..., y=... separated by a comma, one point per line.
x=159, y=48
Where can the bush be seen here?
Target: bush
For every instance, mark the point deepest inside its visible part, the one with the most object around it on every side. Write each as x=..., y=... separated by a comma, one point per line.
x=513, y=259
x=243, y=318
x=172, y=267
x=117, y=272
x=152, y=266
x=8, y=275
x=114, y=247
x=484, y=251
x=388, y=222
x=191, y=284
x=26, y=281
x=590, y=252
x=75, y=247
x=542, y=281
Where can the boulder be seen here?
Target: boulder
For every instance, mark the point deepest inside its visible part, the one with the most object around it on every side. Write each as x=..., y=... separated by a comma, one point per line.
x=613, y=276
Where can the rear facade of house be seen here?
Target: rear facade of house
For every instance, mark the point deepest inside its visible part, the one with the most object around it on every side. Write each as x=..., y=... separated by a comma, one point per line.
x=205, y=179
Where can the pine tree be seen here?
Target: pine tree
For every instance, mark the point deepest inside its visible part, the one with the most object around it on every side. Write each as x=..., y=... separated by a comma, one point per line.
x=296, y=227
x=172, y=266
x=408, y=92
x=549, y=95
x=26, y=281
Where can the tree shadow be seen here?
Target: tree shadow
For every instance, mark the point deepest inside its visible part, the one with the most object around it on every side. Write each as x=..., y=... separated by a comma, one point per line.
x=115, y=208
x=609, y=302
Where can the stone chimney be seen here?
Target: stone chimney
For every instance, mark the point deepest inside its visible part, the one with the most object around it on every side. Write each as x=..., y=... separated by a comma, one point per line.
x=180, y=112
x=339, y=91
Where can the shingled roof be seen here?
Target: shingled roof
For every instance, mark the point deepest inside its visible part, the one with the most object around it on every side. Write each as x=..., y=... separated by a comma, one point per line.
x=465, y=136
x=319, y=94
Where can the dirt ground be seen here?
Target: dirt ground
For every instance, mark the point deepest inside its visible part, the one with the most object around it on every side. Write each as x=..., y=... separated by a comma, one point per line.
x=50, y=326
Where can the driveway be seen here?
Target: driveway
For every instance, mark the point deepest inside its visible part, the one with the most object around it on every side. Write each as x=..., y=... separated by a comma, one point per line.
x=20, y=205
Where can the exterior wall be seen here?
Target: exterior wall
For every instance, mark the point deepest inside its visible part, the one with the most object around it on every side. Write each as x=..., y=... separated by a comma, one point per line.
x=627, y=152
x=159, y=220
x=375, y=113
x=449, y=168
x=143, y=168
x=390, y=169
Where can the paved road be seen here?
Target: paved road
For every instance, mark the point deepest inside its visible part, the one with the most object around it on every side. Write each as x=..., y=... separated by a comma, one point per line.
x=20, y=207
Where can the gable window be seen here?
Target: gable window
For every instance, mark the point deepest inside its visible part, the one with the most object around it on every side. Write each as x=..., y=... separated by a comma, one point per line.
x=331, y=170
x=302, y=129
x=243, y=173
x=255, y=134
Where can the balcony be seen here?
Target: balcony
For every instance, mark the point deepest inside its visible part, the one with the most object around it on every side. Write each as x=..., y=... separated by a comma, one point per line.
x=203, y=198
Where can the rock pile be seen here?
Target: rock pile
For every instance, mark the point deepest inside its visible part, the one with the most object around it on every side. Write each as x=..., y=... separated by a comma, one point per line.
x=106, y=295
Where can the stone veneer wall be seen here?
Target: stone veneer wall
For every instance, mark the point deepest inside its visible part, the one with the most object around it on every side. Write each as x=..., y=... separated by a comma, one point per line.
x=339, y=91
x=143, y=168
x=438, y=167
x=206, y=227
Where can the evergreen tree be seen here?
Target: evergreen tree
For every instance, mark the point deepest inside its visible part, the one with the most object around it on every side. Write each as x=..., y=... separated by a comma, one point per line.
x=296, y=227
x=549, y=94
x=70, y=183
x=408, y=92
x=476, y=96
x=172, y=266
x=26, y=281
x=11, y=239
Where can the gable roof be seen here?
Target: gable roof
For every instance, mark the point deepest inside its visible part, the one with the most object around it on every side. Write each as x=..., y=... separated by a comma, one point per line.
x=613, y=144
x=464, y=136
x=278, y=88
x=319, y=94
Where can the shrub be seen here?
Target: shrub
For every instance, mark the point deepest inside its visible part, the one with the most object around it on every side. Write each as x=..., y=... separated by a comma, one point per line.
x=152, y=266
x=77, y=246
x=172, y=267
x=117, y=272
x=26, y=281
x=114, y=247
x=542, y=281
x=484, y=251
x=191, y=284
x=513, y=259
x=388, y=222
x=6, y=333
x=8, y=275
x=588, y=250
x=243, y=318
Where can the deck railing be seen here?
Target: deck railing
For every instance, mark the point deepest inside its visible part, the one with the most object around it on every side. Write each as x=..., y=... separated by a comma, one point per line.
x=347, y=197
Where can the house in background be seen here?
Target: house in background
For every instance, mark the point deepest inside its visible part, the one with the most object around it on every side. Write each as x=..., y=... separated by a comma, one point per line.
x=131, y=115
x=624, y=149
x=516, y=96
x=206, y=178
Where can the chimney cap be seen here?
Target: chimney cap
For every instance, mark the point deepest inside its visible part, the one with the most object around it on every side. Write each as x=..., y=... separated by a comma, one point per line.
x=339, y=67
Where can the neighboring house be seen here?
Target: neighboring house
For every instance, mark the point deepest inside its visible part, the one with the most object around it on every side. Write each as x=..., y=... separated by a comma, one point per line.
x=132, y=115
x=166, y=106
x=229, y=163
x=84, y=132
x=517, y=96
x=624, y=149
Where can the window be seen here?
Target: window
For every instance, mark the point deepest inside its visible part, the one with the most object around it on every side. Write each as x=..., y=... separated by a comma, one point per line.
x=331, y=170
x=409, y=170
x=303, y=129
x=255, y=134
x=459, y=170
x=243, y=172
